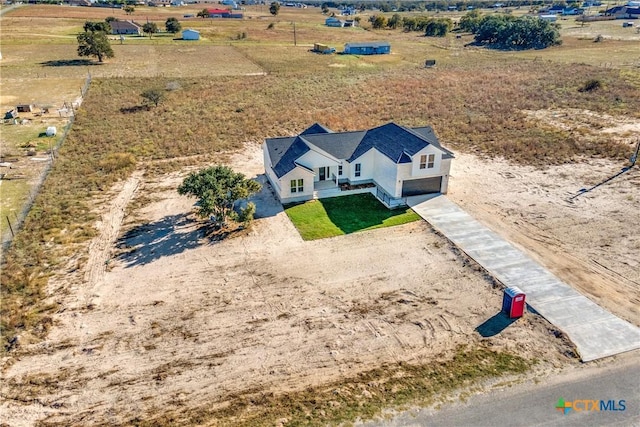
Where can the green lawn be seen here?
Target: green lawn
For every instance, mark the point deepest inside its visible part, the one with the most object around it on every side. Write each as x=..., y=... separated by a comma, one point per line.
x=336, y=216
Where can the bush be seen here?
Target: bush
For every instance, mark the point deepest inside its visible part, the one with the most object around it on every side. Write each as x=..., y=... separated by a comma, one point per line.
x=246, y=214
x=591, y=85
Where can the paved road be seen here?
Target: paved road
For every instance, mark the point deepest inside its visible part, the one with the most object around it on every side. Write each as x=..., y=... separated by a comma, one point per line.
x=534, y=404
x=595, y=332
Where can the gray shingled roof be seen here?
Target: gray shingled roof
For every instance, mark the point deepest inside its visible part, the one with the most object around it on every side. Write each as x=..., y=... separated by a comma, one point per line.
x=316, y=128
x=396, y=142
x=284, y=152
x=340, y=145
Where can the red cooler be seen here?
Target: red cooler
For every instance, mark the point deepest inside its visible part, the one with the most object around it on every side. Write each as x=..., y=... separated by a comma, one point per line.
x=513, y=302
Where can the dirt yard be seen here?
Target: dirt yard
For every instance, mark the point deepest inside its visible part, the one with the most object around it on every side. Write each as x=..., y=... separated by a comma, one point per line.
x=165, y=319
x=170, y=318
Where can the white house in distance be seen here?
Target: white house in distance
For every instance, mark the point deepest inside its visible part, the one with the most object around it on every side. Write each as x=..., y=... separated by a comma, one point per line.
x=190, y=34
x=390, y=161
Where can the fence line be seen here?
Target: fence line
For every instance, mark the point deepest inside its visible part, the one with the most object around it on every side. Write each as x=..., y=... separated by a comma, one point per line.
x=7, y=237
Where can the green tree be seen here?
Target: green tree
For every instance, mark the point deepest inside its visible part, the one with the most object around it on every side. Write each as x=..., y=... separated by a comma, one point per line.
x=204, y=13
x=95, y=27
x=94, y=44
x=154, y=96
x=217, y=189
x=150, y=28
x=438, y=27
x=110, y=19
x=129, y=9
x=172, y=25
x=274, y=8
x=378, y=21
x=508, y=32
x=470, y=22
x=395, y=21
x=325, y=8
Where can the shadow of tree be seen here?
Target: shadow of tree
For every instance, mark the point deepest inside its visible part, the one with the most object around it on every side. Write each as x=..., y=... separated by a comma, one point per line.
x=69, y=63
x=357, y=212
x=266, y=201
x=134, y=109
x=169, y=236
x=496, y=324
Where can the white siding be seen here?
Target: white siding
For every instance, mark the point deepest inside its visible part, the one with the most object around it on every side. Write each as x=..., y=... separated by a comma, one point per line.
x=445, y=168
x=367, y=161
x=271, y=176
x=313, y=160
x=435, y=171
x=386, y=173
x=285, y=184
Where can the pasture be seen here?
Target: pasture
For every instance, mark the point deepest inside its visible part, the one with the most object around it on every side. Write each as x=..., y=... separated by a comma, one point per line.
x=224, y=95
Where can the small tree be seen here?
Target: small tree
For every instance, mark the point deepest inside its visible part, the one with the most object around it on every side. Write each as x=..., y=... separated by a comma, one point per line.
x=94, y=44
x=378, y=21
x=274, y=8
x=150, y=28
x=129, y=9
x=154, y=96
x=110, y=19
x=204, y=13
x=95, y=27
x=172, y=25
x=395, y=21
x=217, y=189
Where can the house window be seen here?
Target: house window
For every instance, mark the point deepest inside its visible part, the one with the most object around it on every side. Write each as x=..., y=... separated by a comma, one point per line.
x=432, y=160
x=358, y=169
x=423, y=161
x=339, y=170
x=297, y=185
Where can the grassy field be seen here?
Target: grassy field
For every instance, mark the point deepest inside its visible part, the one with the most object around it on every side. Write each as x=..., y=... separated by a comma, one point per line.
x=363, y=397
x=318, y=219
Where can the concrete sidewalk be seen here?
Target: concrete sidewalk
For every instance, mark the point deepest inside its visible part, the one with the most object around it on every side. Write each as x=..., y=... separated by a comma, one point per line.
x=595, y=332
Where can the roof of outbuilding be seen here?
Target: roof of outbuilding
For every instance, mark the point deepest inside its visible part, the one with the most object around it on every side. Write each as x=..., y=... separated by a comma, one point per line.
x=396, y=142
x=368, y=44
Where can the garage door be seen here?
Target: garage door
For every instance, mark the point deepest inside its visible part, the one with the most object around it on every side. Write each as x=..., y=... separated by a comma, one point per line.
x=416, y=187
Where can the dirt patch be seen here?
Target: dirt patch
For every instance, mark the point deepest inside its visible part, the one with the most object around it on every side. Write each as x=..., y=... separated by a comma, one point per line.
x=590, y=124
x=177, y=321
x=588, y=239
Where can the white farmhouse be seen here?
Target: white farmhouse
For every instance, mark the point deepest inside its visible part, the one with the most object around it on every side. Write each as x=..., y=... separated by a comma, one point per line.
x=393, y=161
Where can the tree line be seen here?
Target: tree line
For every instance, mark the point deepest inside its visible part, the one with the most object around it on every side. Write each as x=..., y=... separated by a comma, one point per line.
x=495, y=31
x=509, y=32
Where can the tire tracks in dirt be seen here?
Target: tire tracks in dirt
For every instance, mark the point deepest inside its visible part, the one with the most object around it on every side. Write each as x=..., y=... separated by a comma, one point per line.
x=109, y=228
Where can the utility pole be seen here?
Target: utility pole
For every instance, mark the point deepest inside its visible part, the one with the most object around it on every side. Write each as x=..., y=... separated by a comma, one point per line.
x=295, y=41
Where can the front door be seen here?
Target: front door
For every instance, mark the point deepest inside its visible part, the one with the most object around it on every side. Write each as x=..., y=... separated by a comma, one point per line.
x=323, y=173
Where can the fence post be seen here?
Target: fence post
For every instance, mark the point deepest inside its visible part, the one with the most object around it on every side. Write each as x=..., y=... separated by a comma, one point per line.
x=10, y=227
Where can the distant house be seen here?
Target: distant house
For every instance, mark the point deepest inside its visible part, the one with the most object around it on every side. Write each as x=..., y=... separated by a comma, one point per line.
x=24, y=108
x=333, y=22
x=223, y=13
x=190, y=34
x=125, y=27
x=368, y=48
x=624, y=12
x=390, y=161
x=549, y=18
x=219, y=13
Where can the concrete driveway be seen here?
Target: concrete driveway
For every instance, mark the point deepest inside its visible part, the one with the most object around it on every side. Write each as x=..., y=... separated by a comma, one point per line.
x=595, y=332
